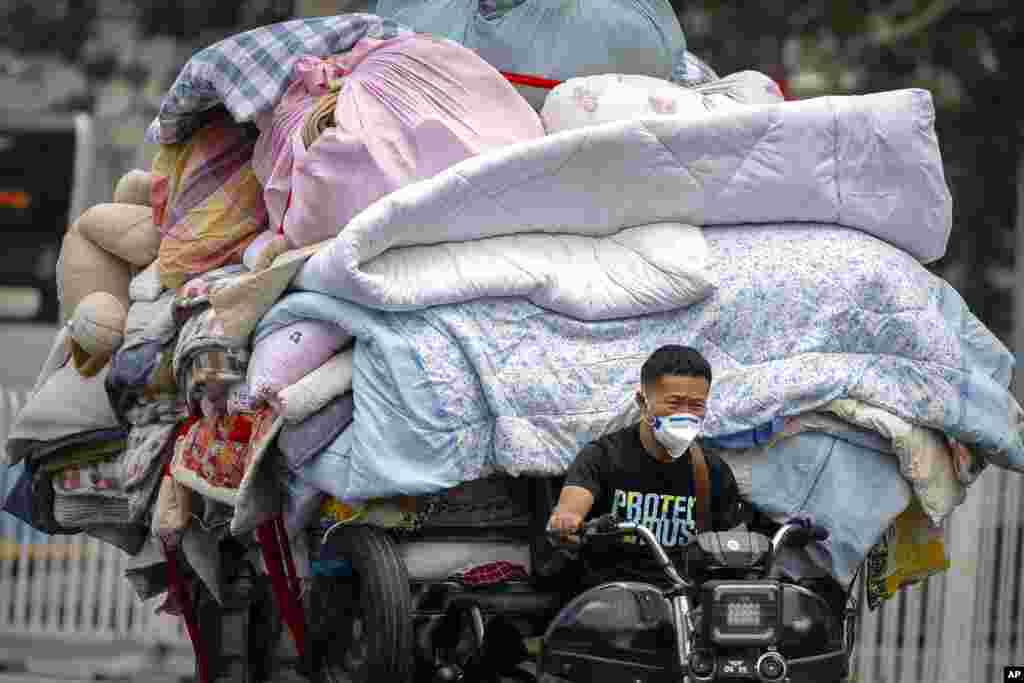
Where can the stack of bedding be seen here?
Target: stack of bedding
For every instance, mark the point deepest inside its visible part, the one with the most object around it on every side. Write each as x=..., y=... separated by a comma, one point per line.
x=397, y=350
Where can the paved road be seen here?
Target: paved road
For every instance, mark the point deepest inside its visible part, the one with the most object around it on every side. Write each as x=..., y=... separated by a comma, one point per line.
x=41, y=678
x=42, y=658
x=36, y=678
x=23, y=348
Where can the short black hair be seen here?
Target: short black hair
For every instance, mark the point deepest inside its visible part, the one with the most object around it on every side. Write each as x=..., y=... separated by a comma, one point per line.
x=674, y=359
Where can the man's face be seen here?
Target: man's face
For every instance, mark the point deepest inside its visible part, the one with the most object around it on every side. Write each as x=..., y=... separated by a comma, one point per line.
x=670, y=394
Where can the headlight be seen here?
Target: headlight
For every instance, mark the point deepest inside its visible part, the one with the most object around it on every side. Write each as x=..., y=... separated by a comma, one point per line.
x=741, y=613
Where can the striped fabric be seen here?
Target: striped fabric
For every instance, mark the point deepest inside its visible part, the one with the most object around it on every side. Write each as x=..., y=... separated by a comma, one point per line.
x=248, y=73
x=207, y=202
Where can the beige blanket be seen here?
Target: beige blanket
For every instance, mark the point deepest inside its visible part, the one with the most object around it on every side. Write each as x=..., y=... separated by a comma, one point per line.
x=240, y=302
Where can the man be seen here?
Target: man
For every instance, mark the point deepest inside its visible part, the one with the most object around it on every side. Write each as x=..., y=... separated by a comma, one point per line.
x=652, y=473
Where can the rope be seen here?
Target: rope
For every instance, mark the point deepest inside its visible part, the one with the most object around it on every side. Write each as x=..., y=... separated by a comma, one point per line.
x=532, y=81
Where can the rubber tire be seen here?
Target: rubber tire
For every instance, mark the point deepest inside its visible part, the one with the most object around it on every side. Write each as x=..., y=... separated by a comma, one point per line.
x=385, y=602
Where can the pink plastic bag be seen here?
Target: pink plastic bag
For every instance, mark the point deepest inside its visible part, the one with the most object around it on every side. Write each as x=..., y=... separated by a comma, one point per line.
x=408, y=108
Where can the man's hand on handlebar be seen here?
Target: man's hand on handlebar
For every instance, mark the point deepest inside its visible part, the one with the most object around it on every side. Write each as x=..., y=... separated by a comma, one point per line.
x=564, y=526
x=569, y=527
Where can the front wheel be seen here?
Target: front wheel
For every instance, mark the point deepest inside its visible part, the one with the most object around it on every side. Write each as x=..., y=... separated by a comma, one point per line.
x=364, y=631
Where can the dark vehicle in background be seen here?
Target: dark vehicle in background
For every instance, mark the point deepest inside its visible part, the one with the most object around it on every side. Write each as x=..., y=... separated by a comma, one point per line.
x=45, y=161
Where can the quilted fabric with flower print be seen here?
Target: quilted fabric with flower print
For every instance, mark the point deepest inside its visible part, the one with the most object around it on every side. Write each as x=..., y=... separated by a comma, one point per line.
x=214, y=455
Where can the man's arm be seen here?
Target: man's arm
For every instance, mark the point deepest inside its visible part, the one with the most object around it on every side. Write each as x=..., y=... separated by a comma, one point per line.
x=574, y=504
x=583, y=484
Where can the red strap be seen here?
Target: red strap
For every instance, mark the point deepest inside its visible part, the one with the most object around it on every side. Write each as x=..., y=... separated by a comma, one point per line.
x=286, y=547
x=177, y=587
x=288, y=205
x=284, y=590
x=532, y=81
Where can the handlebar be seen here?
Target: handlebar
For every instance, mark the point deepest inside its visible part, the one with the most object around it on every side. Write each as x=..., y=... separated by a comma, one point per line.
x=797, y=535
x=605, y=524
x=790, y=534
x=610, y=524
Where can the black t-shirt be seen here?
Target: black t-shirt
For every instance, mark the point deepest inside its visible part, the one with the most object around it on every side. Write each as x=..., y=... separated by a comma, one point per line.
x=625, y=479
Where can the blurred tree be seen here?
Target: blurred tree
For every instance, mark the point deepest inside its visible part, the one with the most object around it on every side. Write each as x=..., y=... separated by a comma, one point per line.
x=62, y=27
x=205, y=21
x=968, y=53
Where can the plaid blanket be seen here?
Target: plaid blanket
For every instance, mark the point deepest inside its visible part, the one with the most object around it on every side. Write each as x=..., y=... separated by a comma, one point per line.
x=248, y=73
x=207, y=201
x=490, y=574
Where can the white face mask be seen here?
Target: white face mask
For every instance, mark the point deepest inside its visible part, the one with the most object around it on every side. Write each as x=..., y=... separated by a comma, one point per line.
x=675, y=432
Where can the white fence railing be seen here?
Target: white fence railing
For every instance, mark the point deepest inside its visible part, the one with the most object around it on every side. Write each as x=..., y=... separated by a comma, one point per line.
x=964, y=625
x=63, y=586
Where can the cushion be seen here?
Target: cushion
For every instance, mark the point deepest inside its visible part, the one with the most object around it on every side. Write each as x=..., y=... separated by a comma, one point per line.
x=287, y=355
x=616, y=97
x=593, y=100
x=298, y=401
x=406, y=108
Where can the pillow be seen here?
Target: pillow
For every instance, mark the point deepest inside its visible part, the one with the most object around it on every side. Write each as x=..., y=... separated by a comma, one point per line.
x=298, y=401
x=594, y=100
x=287, y=355
x=357, y=126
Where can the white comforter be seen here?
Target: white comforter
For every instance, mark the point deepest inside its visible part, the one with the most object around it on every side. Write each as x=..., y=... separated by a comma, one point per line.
x=596, y=222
